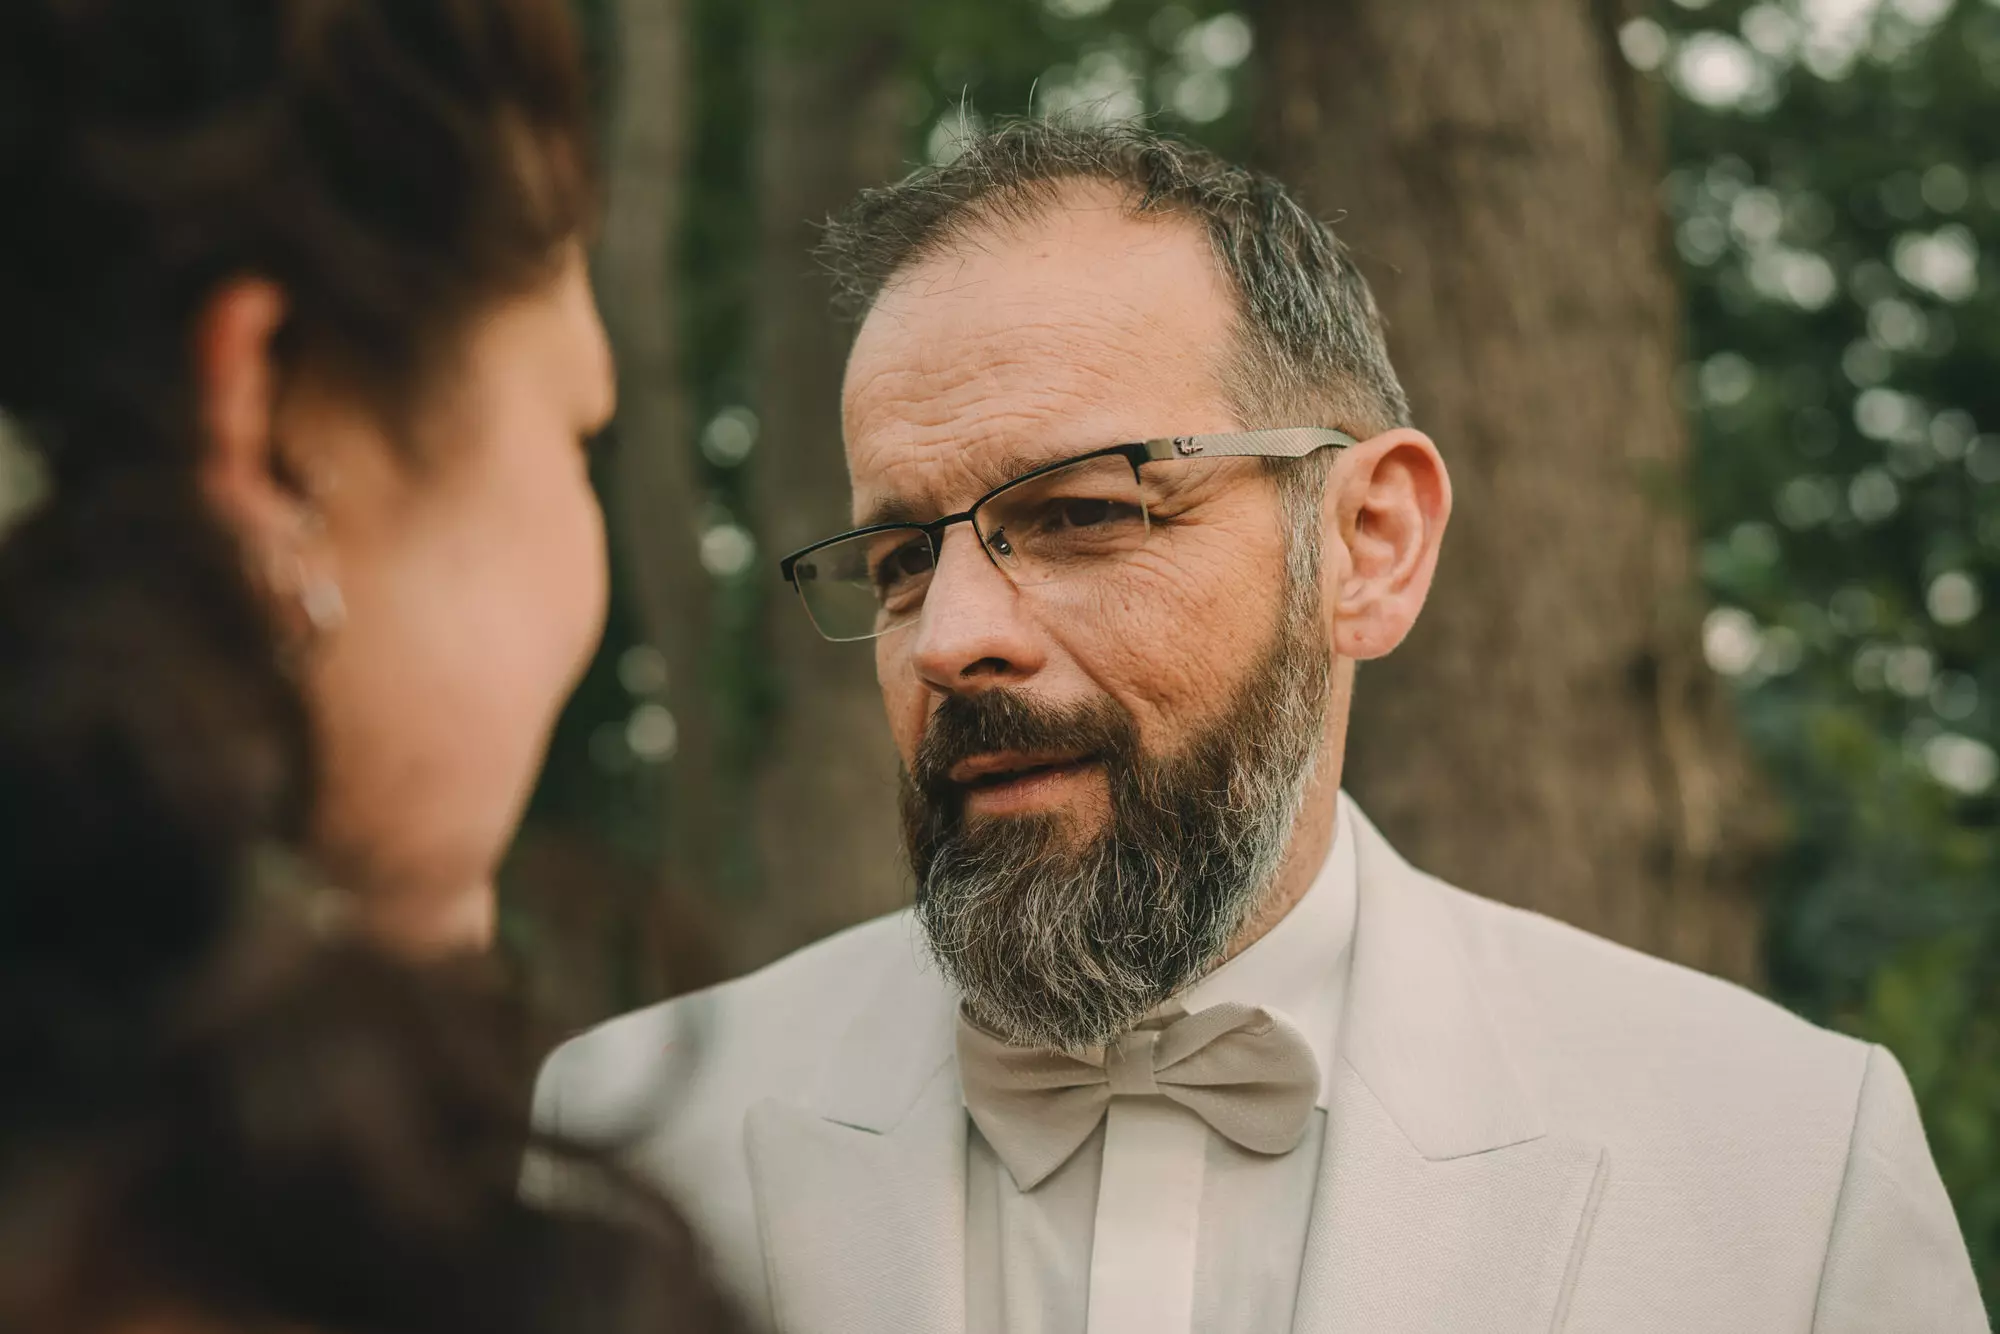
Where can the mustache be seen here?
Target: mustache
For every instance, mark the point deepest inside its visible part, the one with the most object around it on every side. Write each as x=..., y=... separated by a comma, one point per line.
x=932, y=805
x=994, y=720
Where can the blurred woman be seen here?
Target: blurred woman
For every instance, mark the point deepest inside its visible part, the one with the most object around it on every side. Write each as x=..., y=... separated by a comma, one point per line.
x=292, y=301
x=293, y=310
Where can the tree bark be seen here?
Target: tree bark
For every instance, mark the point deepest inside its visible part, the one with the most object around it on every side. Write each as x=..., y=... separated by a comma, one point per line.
x=832, y=122
x=656, y=489
x=1550, y=735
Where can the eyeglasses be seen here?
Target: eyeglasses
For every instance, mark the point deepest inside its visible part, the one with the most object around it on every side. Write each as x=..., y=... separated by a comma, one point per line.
x=1075, y=520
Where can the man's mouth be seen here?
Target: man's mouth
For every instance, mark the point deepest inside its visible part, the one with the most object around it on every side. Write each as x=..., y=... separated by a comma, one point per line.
x=996, y=768
x=998, y=782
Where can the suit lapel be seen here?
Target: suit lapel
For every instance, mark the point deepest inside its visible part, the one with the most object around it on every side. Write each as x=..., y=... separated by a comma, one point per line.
x=1444, y=1200
x=860, y=1193
x=1400, y=1242
x=863, y=1233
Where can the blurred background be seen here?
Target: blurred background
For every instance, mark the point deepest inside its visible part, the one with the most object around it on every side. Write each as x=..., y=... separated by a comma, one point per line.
x=1700, y=300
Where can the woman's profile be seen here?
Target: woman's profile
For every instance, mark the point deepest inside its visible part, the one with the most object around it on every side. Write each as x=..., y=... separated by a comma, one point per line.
x=297, y=314
x=293, y=312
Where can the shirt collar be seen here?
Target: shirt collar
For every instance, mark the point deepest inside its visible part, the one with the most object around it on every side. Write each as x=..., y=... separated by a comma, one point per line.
x=1299, y=967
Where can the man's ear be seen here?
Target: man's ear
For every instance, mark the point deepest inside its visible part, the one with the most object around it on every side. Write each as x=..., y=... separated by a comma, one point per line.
x=242, y=475
x=1388, y=500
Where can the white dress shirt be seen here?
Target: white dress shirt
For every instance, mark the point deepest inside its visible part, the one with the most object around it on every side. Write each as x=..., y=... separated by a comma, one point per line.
x=1158, y=1225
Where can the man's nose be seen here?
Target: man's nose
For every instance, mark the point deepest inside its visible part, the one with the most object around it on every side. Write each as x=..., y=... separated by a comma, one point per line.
x=974, y=630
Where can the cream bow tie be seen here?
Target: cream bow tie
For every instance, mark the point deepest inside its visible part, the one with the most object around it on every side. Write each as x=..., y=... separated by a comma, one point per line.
x=1245, y=1071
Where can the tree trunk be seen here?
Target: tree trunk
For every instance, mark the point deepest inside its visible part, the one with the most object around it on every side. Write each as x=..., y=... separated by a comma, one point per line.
x=655, y=491
x=1549, y=735
x=832, y=122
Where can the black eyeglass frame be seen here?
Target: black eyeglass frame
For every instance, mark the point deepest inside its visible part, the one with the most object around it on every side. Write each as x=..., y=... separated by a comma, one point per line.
x=1289, y=442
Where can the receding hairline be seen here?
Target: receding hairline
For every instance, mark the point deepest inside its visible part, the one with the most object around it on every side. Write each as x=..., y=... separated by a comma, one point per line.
x=1011, y=213
x=1013, y=210
x=1307, y=336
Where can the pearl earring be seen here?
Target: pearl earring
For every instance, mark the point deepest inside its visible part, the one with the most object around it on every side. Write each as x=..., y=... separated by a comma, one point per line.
x=320, y=598
x=324, y=605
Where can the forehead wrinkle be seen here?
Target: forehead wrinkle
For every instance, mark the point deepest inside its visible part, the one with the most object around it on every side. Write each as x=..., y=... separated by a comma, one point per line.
x=1034, y=295
x=950, y=383
x=1021, y=332
x=1040, y=376
x=953, y=303
x=950, y=473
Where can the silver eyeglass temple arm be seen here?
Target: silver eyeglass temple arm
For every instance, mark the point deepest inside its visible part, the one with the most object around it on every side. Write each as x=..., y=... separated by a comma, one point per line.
x=1293, y=442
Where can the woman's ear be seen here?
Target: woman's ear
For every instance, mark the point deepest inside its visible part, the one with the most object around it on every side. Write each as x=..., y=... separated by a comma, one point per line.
x=243, y=478
x=1388, y=501
x=267, y=500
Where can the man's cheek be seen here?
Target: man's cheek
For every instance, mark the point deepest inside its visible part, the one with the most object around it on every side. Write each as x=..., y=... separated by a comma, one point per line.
x=907, y=707
x=1165, y=669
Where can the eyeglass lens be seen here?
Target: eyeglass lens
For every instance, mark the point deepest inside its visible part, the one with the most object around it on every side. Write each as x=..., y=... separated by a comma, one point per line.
x=1076, y=522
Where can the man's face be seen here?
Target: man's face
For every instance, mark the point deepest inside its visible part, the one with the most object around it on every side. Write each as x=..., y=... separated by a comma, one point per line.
x=1080, y=329
x=1103, y=771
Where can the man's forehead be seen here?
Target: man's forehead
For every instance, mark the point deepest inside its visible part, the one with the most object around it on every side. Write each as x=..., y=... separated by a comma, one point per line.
x=1069, y=260
x=1029, y=342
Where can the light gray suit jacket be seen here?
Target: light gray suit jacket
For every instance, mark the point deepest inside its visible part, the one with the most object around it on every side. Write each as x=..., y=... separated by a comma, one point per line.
x=1532, y=1129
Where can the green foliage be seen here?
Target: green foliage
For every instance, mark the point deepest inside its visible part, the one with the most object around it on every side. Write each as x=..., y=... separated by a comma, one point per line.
x=1836, y=202
x=718, y=275
x=1181, y=65
x=595, y=781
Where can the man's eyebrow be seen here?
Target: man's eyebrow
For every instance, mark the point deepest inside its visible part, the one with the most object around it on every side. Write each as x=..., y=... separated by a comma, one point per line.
x=894, y=509
x=995, y=472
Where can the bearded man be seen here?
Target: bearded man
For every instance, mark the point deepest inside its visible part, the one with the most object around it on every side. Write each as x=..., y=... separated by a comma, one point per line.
x=1172, y=1039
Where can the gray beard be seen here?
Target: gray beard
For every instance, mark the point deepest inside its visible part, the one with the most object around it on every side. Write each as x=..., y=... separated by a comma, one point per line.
x=1063, y=941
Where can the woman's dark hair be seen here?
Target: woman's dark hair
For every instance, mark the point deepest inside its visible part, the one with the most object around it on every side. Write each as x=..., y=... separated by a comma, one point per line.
x=395, y=167
x=207, y=1109
x=327, y=1138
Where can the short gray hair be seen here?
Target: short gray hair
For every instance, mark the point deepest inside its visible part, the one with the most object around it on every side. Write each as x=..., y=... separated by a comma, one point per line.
x=1310, y=345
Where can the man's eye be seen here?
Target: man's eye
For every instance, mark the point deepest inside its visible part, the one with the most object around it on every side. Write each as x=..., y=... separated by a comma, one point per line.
x=910, y=561
x=1085, y=512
